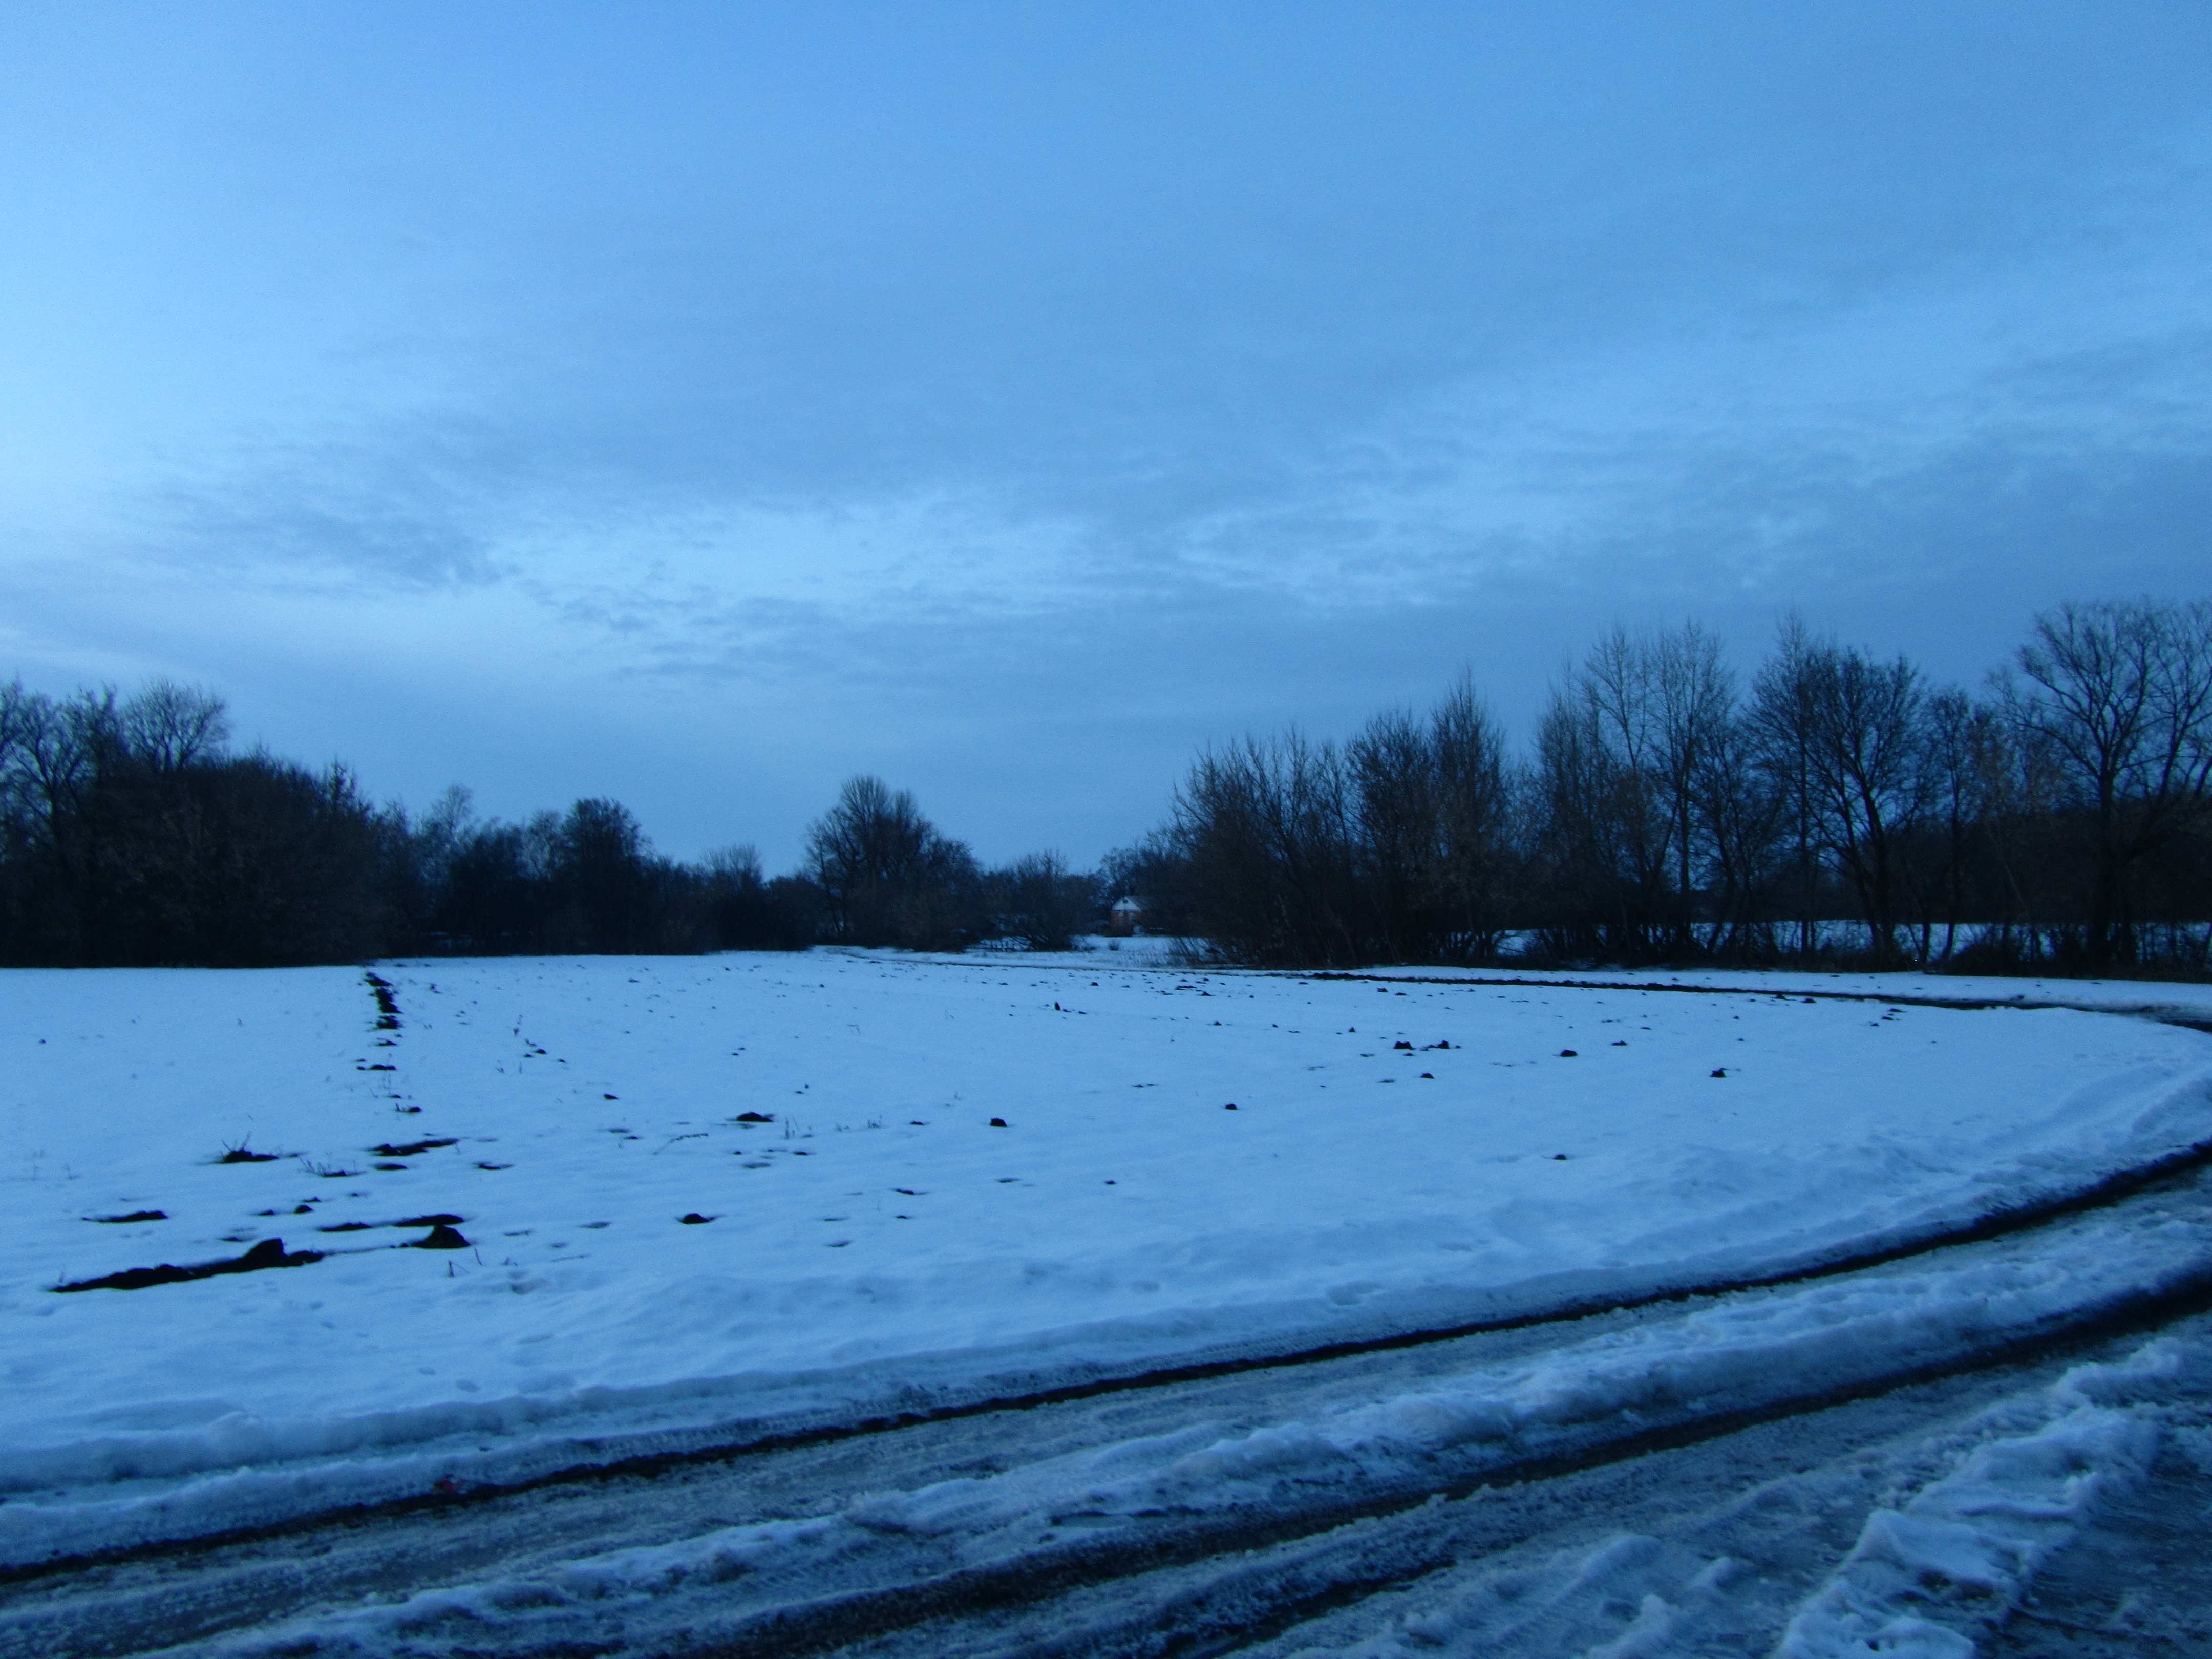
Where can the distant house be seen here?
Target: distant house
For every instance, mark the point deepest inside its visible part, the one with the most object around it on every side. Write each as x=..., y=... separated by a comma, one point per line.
x=1127, y=917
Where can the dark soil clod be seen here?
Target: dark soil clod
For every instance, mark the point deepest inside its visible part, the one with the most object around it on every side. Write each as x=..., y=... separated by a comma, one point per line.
x=242, y=1153
x=998, y=1124
x=754, y=1117
x=414, y=1148
x=268, y=1253
x=431, y=1221
x=441, y=1237
x=135, y=1215
x=693, y=1218
x=1566, y=1054
x=1720, y=1071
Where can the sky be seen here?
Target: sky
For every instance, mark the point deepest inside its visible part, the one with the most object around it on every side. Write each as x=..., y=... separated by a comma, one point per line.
x=699, y=404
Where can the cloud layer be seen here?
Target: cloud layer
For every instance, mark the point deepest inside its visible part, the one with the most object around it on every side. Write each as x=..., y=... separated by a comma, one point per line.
x=698, y=409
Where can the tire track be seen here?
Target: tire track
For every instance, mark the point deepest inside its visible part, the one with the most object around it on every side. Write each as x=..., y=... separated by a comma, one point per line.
x=2170, y=1170
x=1419, y=1537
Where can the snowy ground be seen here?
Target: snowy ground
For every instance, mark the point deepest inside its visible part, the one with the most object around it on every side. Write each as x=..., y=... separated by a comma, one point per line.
x=644, y=1268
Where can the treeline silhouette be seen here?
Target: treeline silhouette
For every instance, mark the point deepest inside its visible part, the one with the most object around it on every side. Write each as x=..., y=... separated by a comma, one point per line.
x=1835, y=808
x=131, y=835
x=1838, y=807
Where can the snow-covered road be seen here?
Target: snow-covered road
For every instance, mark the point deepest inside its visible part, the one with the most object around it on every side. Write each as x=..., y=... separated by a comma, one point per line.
x=1858, y=1363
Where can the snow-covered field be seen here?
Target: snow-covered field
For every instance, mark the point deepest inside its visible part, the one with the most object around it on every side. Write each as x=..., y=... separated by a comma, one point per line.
x=693, y=1191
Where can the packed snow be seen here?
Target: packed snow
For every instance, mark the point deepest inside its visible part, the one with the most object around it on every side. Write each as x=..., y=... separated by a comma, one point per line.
x=685, y=1192
x=1985, y=1527
x=1926, y=1579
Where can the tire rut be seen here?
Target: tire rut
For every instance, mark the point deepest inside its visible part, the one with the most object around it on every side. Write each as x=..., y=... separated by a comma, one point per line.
x=843, y=1620
x=1013, y=1585
x=2169, y=1171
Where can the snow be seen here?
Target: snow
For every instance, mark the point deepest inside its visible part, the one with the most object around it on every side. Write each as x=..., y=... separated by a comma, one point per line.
x=1926, y=1581
x=881, y=1240
x=1969, y=1514
x=1731, y=1358
x=2182, y=1000
x=2030, y=1474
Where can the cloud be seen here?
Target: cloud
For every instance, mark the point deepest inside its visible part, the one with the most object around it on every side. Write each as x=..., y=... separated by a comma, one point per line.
x=1013, y=403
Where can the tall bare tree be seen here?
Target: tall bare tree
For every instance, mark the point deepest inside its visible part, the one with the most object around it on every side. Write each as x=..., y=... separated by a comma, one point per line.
x=1622, y=751
x=1477, y=857
x=1401, y=831
x=1783, y=721
x=1874, y=781
x=1845, y=742
x=2120, y=691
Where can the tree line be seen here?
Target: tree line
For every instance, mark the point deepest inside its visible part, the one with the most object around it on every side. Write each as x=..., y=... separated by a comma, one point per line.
x=132, y=835
x=1832, y=806
x=1668, y=812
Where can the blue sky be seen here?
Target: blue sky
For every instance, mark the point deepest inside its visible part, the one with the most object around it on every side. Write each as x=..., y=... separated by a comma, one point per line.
x=699, y=404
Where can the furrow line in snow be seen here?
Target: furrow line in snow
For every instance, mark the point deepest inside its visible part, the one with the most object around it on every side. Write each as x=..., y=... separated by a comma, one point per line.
x=2163, y=1014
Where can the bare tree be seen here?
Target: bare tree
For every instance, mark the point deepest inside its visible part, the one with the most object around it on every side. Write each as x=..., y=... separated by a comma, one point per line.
x=1966, y=758
x=888, y=875
x=2121, y=696
x=1270, y=835
x=1038, y=899
x=1394, y=779
x=1475, y=794
x=1741, y=818
x=1696, y=708
x=1621, y=753
x=1619, y=686
x=1576, y=840
x=168, y=726
x=1783, y=721
x=1872, y=783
